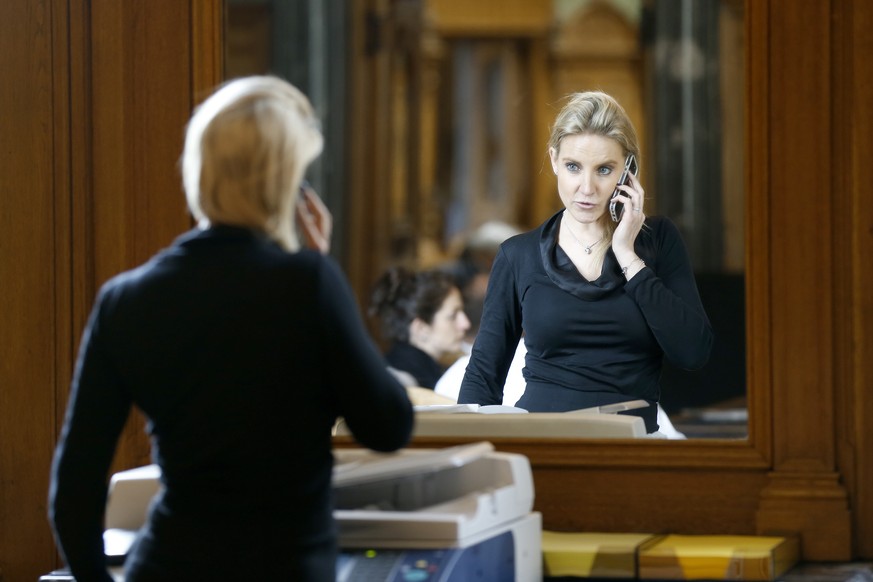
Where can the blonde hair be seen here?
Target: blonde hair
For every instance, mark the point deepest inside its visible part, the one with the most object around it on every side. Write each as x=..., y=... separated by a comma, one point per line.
x=246, y=150
x=596, y=113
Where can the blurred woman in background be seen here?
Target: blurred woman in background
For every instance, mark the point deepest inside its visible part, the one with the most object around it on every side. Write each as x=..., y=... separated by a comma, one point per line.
x=422, y=316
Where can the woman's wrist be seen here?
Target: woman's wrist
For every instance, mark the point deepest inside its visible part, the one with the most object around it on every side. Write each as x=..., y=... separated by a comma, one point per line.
x=632, y=268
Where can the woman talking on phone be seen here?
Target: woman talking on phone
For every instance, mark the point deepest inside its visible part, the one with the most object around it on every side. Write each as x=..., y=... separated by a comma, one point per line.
x=601, y=292
x=228, y=342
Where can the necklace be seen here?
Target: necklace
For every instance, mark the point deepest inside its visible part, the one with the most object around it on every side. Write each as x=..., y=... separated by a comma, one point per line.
x=586, y=248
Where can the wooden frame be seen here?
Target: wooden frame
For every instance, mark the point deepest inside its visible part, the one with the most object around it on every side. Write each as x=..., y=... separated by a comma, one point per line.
x=787, y=477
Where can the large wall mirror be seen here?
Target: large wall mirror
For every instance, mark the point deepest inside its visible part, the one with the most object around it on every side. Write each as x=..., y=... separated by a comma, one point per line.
x=460, y=95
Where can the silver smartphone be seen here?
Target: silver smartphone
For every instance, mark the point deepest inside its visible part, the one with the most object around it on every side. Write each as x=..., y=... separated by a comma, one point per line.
x=616, y=206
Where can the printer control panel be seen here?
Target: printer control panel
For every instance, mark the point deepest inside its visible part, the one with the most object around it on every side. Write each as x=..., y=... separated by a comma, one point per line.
x=490, y=560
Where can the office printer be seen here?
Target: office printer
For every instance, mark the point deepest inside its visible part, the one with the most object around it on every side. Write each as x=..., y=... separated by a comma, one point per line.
x=462, y=513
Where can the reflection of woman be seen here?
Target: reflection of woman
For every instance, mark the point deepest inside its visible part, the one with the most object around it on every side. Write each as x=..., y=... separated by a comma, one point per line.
x=229, y=344
x=422, y=315
x=600, y=303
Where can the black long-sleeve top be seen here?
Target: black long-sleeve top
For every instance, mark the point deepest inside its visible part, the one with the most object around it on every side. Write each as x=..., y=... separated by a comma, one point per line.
x=420, y=365
x=589, y=343
x=242, y=356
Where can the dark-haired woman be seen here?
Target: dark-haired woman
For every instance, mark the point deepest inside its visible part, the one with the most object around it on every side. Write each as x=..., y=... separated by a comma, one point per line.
x=422, y=316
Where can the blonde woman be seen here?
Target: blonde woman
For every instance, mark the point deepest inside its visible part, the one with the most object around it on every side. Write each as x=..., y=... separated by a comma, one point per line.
x=228, y=341
x=600, y=303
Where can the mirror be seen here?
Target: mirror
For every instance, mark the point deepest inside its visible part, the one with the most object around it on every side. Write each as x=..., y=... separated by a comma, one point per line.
x=463, y=100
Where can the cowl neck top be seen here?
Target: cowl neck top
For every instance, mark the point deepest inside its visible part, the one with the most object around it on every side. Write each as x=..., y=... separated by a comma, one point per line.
x=563, y=272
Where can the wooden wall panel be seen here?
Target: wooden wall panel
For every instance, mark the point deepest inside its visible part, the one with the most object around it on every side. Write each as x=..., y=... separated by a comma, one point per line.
x=95, y=98
x=800, y=130
x=78, y=198
x=853, y=235
x=645, y=500
x=804, y=492
x=368, y=205
x=28, y=278
x=758, y=327
x=860, y=409
x=140, y=99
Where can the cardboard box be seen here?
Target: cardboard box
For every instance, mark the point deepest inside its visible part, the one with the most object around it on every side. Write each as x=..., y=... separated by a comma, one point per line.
x=592, y=555
x=681, y=557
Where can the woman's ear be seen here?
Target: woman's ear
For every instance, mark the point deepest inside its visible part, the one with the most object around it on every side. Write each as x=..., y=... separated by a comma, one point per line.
x=553, y=157
x=419, y=331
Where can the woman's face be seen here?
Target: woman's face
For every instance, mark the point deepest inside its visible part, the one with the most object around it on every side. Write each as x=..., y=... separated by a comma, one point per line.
x=588, y=167
x=445, y=333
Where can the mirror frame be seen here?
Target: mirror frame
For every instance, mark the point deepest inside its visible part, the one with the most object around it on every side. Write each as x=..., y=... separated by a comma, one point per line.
x=755, y=452
x=785, y=477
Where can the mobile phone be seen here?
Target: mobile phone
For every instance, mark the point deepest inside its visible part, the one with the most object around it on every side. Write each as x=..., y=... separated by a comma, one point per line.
x=616, y=206
x=301, y=193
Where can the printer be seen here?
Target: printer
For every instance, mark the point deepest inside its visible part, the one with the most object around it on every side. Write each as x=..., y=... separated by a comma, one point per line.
x=457, y=514
x=438, y=515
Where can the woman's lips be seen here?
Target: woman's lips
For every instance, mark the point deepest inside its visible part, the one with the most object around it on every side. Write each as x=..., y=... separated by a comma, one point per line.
x=585, y=205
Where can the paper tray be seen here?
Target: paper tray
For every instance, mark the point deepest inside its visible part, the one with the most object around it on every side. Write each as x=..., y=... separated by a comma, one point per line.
x=436, y=506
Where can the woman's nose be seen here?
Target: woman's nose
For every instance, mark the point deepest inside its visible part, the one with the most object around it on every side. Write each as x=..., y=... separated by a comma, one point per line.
x=586, y=183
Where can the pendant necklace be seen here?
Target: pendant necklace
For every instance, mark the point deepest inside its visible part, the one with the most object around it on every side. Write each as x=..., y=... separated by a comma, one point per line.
x=586, y=248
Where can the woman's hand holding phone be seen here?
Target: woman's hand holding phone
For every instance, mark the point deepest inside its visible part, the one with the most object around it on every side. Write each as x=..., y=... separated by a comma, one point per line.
x=616, y=204
x=629, y=195
x=314, y=220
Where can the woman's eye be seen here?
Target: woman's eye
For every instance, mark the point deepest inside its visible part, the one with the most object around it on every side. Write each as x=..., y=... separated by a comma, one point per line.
x=604, y=171
x=572, y=167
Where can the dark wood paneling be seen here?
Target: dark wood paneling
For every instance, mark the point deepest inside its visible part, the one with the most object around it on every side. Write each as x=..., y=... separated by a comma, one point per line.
x=860, y=455
x=140, y=99
x=28, y=276
x=645, y=501
x=800, y=171
x=369, y=146
x=853, y=235
x=95, y=99
x=804, y=493
x=758, y=328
